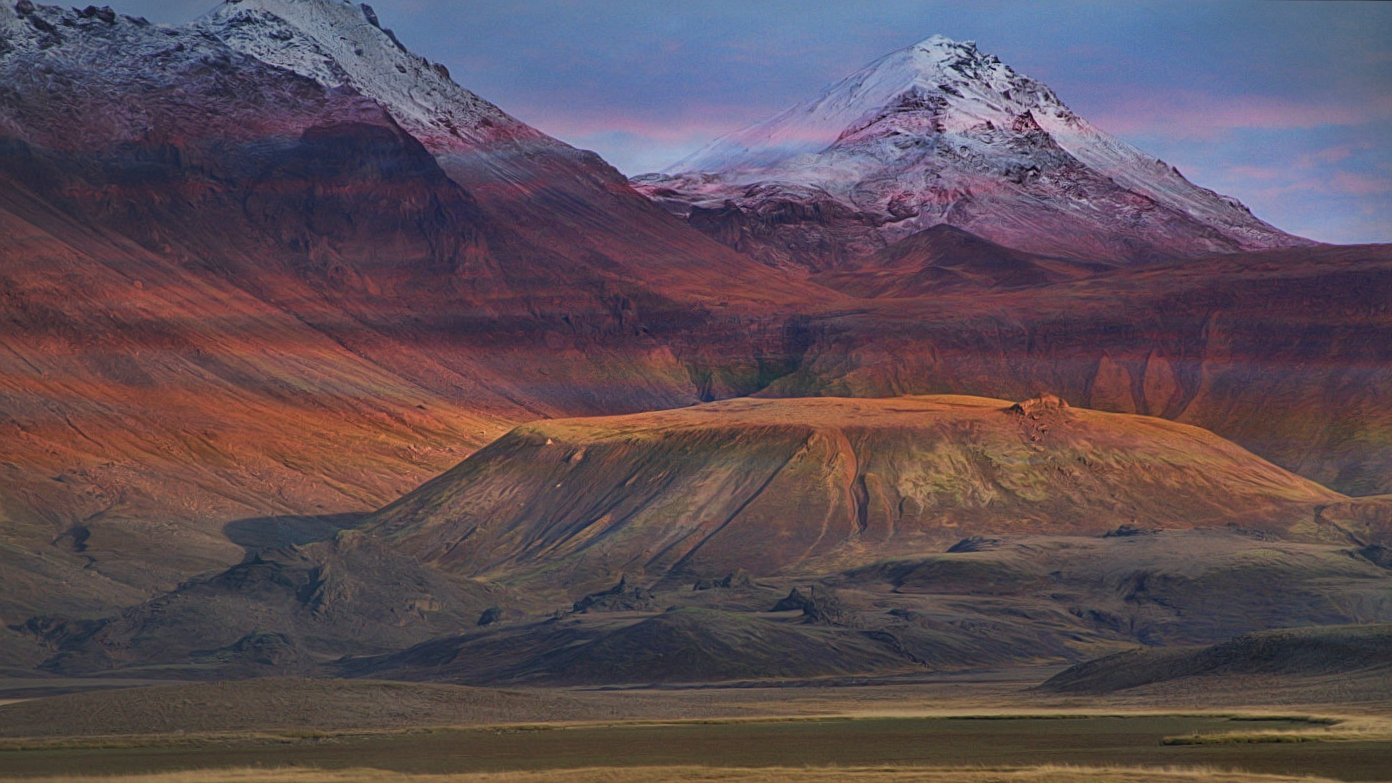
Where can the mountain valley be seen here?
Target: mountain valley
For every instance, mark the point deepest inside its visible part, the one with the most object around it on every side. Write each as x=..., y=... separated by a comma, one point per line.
x=316, y=365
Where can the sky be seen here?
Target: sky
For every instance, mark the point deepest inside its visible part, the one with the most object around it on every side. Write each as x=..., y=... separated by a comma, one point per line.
x=1285, y=105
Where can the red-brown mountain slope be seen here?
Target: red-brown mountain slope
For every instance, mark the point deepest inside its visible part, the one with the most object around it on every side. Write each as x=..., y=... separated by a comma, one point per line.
x=230, y=290
x=1288, y=353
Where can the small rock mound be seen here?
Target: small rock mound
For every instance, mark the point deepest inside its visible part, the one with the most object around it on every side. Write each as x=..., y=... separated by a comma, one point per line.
x=974, y=544
x=1367, y=521
x=826, y=608
x=794, y=600
x=1038, y=406
x=701, y=645
x=821, y=607
x=256, y=653
x=1377, y=554
x=738, y=578
x=619, y=598
x=1127, y=531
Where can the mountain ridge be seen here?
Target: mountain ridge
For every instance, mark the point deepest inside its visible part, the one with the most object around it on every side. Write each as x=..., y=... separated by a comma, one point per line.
x=234, y=292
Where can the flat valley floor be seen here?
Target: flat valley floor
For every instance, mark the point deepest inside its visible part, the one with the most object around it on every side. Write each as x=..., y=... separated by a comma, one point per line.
x=985, y=727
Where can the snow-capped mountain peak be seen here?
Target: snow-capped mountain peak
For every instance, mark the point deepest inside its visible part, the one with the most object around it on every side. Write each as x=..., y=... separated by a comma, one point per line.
x=941, y=132
x=952, y=79
x=938, y=39
x=948, y=54
x=335, y=42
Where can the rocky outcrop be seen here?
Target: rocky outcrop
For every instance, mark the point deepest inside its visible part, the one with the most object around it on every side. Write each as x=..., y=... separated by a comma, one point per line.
x=619, y=598
x=1039, y=407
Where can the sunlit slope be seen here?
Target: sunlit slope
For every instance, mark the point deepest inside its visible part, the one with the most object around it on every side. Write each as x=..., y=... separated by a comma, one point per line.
x=231, y=292
x=782, y=485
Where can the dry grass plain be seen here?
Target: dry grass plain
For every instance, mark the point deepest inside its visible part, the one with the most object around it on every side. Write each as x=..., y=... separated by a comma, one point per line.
x=1045, y=774
x=957, y=729
x=1041, y=747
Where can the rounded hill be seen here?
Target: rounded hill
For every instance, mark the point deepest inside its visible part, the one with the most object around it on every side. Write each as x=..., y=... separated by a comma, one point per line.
x=783, y=486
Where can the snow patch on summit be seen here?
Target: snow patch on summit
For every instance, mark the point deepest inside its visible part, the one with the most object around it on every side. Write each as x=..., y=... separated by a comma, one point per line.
x=337, y=43
x=975, y=89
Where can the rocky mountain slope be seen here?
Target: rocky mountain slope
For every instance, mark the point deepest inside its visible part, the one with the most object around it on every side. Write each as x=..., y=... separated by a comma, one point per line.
x=1285, y=352
x=936, y=133
x=945, y=259
x=248, y=272
x=567, y=202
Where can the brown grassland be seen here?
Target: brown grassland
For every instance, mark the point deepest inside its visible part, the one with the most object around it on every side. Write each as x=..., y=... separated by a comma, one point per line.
x=1043, y=774
x=969, y=728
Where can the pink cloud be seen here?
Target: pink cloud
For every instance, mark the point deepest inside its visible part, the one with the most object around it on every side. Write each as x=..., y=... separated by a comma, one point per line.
x=1277, y=185
x=1183, y=115
x=693, y=120
x=1337, y=153
x=1193, y=114
x=1352, y=184
x=1257, y=172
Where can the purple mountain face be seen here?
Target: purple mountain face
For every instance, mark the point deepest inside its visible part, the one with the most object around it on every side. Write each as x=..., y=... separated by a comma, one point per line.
x=936, y=133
